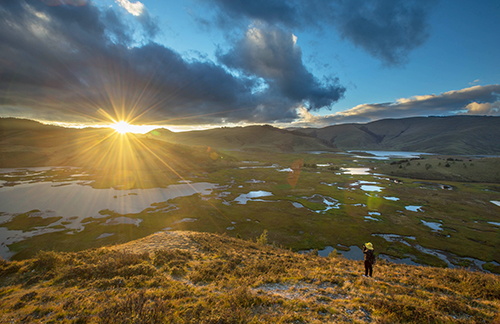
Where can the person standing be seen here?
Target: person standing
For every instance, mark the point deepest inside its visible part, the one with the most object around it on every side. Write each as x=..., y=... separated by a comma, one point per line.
x=369, y=259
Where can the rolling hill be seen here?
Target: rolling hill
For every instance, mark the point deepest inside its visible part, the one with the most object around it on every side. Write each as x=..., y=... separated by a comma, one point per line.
x=249, y=138
x=114, y=160
x=28, y=143
x=192, y=277
x=475, y=135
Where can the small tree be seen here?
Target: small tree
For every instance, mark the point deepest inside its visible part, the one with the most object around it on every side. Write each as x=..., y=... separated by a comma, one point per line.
x=262, y=239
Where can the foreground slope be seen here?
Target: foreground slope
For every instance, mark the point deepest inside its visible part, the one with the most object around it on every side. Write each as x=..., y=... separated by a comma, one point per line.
x=190, y=277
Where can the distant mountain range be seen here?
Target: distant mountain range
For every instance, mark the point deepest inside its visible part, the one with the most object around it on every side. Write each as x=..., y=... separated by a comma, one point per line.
x=29, y=143
x=26, y=143
x=478, y=135
x=250, y=138
x=443, y=135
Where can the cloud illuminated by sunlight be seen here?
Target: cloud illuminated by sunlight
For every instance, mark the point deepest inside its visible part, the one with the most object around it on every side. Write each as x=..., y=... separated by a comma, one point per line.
x=134, y=8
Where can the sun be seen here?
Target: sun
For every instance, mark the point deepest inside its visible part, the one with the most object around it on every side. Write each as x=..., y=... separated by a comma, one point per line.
x=123, y=127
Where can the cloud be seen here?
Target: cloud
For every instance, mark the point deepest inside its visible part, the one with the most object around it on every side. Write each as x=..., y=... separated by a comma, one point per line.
x=270, y=11
x=273, y=55
x=139, y=11
x=476, y=100
x=134, y=8
x=387, y=29
x=79, y=63
x=476, y=108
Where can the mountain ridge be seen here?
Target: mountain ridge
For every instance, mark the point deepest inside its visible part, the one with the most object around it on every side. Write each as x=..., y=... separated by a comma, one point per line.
x=452, y=135
x=247, y=138
x=461, y=135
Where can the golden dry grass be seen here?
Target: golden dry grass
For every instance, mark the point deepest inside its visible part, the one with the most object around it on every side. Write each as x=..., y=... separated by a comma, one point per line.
x=190, y=277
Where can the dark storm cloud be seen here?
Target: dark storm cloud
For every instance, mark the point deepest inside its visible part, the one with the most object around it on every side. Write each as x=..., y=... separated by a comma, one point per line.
x=477, y=100
x=271, y=11
x=386, y=29
x=272, y=54
x=68, y=62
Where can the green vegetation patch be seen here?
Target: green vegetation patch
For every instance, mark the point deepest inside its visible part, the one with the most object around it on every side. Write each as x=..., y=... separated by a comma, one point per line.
x=446, y=168
x=30, y=220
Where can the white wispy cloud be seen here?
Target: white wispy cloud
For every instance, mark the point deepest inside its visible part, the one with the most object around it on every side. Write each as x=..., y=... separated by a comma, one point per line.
x=476, y=100
x=134, y=8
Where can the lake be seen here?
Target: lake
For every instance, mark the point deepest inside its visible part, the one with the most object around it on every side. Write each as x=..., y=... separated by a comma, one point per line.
x=75, y=200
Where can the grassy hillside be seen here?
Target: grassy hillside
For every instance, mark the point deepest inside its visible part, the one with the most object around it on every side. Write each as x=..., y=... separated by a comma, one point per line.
x=113, y=160
x=250, y=138
x=190, y=277
x=444, y=135
x=448, y=168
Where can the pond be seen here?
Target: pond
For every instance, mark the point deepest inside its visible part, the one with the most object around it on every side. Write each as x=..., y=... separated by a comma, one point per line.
x=244, y=198
x=385, y=155
x=75, y=201
x=433, y=225
x=368, y=186
x=71, y=199
x=356, y=171
x=352, y=253
x=414, y=208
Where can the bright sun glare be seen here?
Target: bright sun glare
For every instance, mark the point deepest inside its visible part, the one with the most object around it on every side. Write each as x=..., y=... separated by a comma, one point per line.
x=123, y=127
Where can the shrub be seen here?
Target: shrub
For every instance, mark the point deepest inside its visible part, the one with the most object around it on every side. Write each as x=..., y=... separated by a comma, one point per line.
x=7, y=268
x=47, y=260
x=142, y=269
x=262, y=239
x=171, y=258
x=137, y=308
x=115, y=282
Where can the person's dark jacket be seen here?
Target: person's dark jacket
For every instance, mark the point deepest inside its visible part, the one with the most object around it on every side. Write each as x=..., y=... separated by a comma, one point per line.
x=369, y=255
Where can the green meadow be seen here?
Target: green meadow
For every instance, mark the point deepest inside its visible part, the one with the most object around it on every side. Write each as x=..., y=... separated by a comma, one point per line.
x=406, y=212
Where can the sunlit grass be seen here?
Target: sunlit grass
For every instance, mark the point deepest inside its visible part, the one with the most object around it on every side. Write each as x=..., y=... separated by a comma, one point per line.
x=188, y=277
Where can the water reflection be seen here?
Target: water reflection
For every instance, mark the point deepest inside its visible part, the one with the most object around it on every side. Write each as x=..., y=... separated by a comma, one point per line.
x=352, y=253
x=367, y=186
x=385, y=155
x=414, y=208
x=244, y=198
x=84, y=201
x=75, y=201
x=434, y=226
x=356, y=171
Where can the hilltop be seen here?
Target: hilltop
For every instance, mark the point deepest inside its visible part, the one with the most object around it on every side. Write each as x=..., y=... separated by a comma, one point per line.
x=111, y=158
x=192, y=277
x=29, y=143
x=453, y=135
x=443, y=135
x=249, y=138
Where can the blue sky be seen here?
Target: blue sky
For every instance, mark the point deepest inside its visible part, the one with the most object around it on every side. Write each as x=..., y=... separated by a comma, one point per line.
x=204, y=63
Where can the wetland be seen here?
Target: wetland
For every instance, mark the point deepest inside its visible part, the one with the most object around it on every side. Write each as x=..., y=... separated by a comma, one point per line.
x=323, y=202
